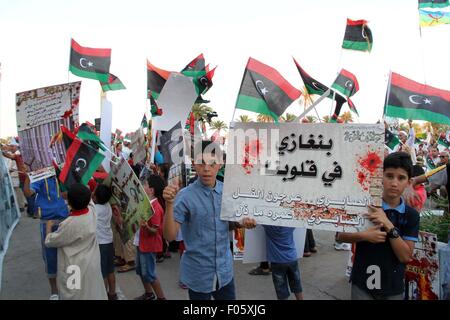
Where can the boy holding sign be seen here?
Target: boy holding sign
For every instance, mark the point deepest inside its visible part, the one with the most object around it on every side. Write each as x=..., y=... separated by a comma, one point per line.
x=383, y=250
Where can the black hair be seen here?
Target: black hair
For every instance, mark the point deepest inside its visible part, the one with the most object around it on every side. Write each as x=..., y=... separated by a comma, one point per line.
x=78, y=196
x=417, y=170
x=399, y=160
x=102, y=194
x=157, y=183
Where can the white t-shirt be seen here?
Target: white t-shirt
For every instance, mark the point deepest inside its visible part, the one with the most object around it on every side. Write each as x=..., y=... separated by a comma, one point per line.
x=104, y=230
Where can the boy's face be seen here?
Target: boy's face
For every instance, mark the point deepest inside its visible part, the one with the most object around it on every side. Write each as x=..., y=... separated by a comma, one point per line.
x=208, y=168
x=395, y=180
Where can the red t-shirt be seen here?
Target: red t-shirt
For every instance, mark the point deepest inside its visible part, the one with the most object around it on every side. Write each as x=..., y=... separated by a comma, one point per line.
x=147, y=241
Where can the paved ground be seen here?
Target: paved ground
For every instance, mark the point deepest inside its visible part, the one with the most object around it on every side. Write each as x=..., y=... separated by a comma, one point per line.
x=24, y=279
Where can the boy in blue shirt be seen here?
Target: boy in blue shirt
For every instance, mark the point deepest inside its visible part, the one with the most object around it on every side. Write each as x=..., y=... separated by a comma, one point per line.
x=383, y=251
x=50, y=206
x=207, y=263
x=282, y=255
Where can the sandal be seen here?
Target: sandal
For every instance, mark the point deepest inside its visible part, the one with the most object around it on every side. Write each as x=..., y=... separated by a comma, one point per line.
x=307, y=254
x=258, y=271
x=313, y=250
x=125, y=268
x=146, y=296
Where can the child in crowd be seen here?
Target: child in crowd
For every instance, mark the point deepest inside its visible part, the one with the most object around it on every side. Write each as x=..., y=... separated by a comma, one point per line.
x=148, y=240
x=52, y=210
x=102, y=195
x=207, y=263
x=282, y=255
x=79, y=273
x=383, y=250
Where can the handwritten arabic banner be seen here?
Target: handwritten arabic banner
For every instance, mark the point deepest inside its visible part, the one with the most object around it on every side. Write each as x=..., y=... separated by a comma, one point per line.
x=130, y=195
x=39, y=117
x=44, y=105
x=318, y=176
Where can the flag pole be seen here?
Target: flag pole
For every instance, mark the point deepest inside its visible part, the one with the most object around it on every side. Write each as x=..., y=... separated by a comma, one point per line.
x=422, y=51
x=313, y=105
x=388, y=91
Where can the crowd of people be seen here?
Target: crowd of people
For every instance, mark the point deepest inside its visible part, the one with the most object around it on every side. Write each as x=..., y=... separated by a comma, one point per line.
x=82, y=227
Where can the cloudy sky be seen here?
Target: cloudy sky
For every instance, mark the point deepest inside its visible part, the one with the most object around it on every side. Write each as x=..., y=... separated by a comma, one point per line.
x=35, y=46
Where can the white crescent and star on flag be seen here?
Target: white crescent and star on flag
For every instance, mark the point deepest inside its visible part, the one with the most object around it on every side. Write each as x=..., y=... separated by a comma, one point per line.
x=416, y=99
x=78, y=167
x=85, y=63
x=261, y=87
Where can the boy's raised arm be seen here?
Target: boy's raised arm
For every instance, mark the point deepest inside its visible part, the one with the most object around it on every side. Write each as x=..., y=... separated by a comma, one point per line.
x=171, y=227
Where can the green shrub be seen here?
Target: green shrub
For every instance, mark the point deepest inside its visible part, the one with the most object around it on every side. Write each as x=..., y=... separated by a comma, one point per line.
x=435, y=224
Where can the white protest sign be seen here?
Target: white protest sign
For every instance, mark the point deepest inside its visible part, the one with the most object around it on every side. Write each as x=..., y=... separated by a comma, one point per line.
x=176, y=100
x=138, y=145
x=106, y=129
x=39, y=115
x=319, y=176
x=255, y=249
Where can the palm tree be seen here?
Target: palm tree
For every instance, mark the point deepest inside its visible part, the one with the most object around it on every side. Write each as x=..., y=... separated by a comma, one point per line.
x=289, y=117
x=326, y=119
x=264, y=118
x=311, y=119
x=201, y=112
x=346, y=117
x=244, y=118
x=218, y=125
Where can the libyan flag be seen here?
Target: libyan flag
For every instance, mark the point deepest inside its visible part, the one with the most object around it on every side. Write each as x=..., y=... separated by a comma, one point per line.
x=346, y=83
x=315, y=87
x=90, y=63
x=408, y=99
x=263, y=90
x=88, y=136
x=156, y=79
x=81, y=160
x=390, y=139
x=357, y=36
x=113, y=83
x=443, y=140
x=197, y=64
x=154, y=109
x=433, y=3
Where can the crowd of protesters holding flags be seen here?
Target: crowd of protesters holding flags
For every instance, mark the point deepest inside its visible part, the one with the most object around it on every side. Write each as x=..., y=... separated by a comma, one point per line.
x=81, y=226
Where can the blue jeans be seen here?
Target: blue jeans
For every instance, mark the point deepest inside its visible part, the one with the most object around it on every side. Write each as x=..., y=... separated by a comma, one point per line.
x=284, y=274
x=227, y=292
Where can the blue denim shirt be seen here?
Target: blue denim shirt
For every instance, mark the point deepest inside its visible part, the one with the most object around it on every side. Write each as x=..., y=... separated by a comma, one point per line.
x=207, y=259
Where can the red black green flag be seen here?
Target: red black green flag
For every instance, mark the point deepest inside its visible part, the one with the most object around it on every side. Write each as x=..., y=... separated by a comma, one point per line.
x=91, y=63
x=433, y=3
x=81, y=161
x=264, y=90
x=88, y=136
x=144, y=123
x=357, y=36
x=408, y=99
x=154, y=108
x=315, y=87
x=346, y=83
x=113, y=83
x=197, y=64
x=156, y=79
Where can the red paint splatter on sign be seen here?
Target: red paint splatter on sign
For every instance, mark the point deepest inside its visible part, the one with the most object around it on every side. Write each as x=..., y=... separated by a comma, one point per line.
x=371, y=162
x=252, y=150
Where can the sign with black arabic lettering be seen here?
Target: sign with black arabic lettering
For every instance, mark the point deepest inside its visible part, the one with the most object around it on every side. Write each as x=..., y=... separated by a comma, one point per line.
x=39, y=115
x=318, y=176
x=40, y=106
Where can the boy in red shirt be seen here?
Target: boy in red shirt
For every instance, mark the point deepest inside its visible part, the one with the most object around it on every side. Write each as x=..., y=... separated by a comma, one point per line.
x=148, y=240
